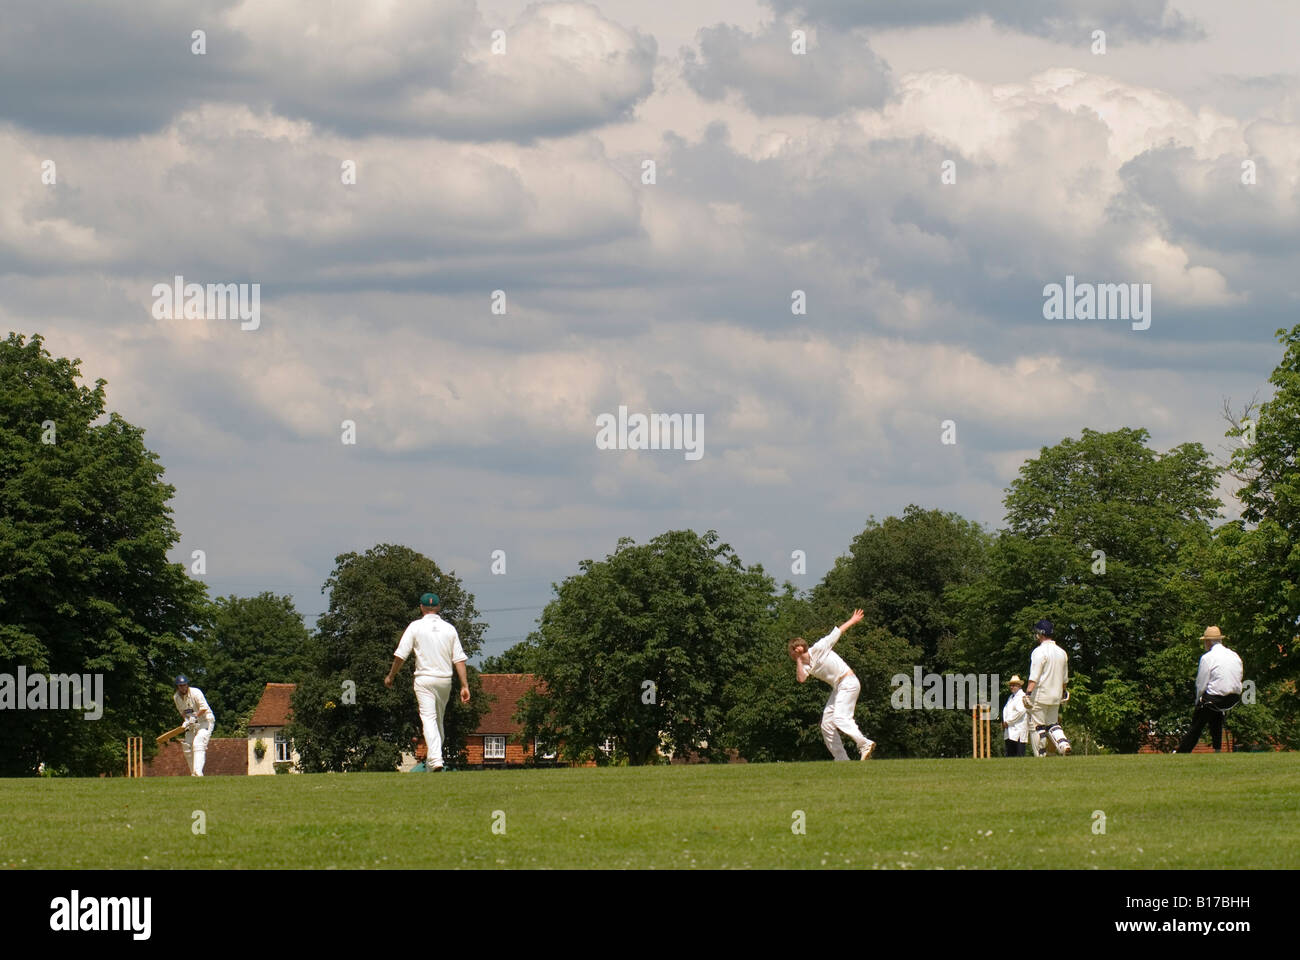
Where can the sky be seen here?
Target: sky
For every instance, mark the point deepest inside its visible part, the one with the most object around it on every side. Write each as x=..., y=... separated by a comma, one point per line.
x=919, y=173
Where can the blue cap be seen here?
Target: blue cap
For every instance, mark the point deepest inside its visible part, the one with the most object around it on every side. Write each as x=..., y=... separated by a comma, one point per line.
x=1043, y=627
x=182, y=681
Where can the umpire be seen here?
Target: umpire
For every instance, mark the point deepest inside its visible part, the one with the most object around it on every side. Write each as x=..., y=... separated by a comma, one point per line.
x=1218, y=690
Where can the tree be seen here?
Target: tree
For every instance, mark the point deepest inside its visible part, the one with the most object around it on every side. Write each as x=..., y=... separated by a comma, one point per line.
x=1102, y=538
x=344, y=718
x=899, y=570
x=85, y=584
x=249, y=642
x=516, y=659
x=1253, y=566
x=644, y=646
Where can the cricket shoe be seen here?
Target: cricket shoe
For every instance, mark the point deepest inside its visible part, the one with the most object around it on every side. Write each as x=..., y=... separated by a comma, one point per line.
x=871, y=748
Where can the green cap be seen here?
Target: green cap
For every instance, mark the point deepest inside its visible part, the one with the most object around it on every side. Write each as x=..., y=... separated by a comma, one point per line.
x=429, y=600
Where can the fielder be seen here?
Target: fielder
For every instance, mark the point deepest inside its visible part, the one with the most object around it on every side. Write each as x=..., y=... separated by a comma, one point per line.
x=821, y=661
x=199, y=722
x=1049, y=672
x=437, y=651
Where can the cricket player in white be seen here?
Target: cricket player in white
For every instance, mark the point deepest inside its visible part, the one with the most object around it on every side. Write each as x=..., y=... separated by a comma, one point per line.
x=437, y=649
x=199, y=722
x=821, y=661
x=1049, y=671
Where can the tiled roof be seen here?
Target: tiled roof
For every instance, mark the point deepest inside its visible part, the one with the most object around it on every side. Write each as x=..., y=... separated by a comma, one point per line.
x=273, y=709
x=227, y=757
x=507, y=688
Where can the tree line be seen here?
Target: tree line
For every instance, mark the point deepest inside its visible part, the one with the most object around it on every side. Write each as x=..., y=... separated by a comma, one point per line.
x=674, y=645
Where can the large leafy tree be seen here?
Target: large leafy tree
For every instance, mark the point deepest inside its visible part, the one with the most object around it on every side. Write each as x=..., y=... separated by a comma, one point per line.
x=85, y=584
x=249, y=642
x=1101, y=538
x=1254, y=565
x=898, y=570
x=644, y=647
x=344, y=718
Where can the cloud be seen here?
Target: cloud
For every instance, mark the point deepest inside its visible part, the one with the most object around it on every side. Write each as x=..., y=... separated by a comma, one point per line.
x=838, y=72
x=1061, y=20
x=924, y=298
x=407, y=67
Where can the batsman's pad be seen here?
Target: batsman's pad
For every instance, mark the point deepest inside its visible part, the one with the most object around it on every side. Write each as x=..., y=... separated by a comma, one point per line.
x=1040, y=741
x=1061, y=744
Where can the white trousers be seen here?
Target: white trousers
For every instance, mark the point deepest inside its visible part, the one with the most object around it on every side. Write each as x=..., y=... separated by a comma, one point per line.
x=838, y=717
x=195, y=747
x=432, y=694
x=1043, y=715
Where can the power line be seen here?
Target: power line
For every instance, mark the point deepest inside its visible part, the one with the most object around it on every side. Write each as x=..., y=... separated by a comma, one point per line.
x=533, y=606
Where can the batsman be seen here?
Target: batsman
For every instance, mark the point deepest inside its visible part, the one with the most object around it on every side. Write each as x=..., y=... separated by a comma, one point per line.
x=1049, y=671
x=199, y=721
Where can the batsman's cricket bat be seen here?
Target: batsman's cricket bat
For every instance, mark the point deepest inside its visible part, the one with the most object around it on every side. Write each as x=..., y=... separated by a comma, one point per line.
x=169, y=734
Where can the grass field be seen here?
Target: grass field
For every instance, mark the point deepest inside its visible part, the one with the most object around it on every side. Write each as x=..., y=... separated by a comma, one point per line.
x=1232, y=810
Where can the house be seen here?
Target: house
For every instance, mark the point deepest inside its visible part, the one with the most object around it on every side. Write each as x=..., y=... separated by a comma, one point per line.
x=266, y=730
x=493, y=743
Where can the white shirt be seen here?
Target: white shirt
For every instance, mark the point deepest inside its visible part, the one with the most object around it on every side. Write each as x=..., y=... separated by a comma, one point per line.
x=1219, y=673
x=824, y=662
x=191, y=704
x=436, y=644
x=1049, y=669
x=1016, y=717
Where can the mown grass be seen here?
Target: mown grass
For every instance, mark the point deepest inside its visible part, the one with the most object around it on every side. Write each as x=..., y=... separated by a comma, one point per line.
x=1193, y=812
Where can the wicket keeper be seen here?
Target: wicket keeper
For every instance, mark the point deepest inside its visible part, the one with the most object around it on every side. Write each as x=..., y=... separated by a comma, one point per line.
x=821, y=661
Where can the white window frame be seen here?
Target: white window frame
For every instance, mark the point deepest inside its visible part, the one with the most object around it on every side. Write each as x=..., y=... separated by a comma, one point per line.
x=608, y=747
x=490, y=742
x=538, y=746
x=283, y=749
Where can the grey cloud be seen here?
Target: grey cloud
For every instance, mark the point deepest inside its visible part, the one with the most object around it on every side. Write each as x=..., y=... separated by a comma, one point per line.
x=125, y=67
x=110, y=68
x=1062, y=20
x=838, y=72
x=1203, y=200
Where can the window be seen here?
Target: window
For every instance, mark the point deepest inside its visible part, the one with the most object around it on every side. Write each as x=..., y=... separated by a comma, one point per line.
x=282, y=748
x=543, y=750
x=494, y=748
x=607, y=748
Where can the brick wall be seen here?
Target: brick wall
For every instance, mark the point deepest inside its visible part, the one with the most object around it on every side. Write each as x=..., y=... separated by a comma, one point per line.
x=226, y=757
